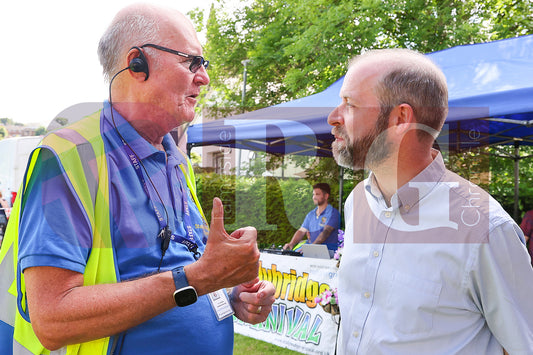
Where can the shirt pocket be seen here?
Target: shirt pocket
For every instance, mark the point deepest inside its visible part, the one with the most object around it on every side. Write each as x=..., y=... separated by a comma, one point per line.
x=412, y=302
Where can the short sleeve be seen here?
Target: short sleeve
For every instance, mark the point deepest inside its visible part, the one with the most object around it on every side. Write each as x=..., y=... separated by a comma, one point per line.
x=334, y=219
x=54, y=228
x=306, y=223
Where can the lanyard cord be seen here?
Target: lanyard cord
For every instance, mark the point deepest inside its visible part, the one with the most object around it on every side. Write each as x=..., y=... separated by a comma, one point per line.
x=188, y=240
x=165, y=232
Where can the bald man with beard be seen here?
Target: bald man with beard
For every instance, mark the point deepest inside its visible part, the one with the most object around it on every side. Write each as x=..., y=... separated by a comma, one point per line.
x=432, y=264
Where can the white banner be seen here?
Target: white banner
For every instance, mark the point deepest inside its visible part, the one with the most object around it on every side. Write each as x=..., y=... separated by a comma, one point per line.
x=296, y=321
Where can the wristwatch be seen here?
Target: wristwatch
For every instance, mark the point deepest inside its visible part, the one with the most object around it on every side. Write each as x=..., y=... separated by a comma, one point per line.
x=185, y=294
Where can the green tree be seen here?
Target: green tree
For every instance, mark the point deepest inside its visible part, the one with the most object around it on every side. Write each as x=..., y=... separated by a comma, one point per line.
x=509, y=17
x=6, y=121
x=298, y=48
x=502, y=179
x=40, y=131
x=3, y=132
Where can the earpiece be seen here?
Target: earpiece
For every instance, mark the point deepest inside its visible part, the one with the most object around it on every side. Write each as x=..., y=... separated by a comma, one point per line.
x=139, y=64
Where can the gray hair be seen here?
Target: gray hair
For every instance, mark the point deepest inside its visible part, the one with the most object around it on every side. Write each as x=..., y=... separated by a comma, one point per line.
x=126, y=31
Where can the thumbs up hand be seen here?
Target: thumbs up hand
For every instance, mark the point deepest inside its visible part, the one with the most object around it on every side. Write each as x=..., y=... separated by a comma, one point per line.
x=228, y=259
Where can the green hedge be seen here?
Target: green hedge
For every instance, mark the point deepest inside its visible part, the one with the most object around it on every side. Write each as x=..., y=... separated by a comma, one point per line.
x=275, y=207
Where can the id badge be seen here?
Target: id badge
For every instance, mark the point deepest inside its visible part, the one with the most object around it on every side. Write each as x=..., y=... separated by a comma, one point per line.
x=220, y=304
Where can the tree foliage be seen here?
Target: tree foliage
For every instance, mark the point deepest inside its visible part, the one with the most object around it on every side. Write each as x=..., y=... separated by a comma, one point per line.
x=502, y=179
x=275, y=207
x=300, y=47
x=41, y=130
x=6, y=121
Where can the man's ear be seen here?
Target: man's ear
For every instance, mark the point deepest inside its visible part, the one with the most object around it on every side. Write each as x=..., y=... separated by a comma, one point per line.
x=401, y=118
x=138, y=64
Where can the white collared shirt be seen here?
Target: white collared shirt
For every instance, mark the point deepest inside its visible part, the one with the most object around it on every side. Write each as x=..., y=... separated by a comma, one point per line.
x=443, y=270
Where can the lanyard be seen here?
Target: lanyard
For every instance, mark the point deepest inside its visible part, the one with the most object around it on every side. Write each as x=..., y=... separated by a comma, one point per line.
x=166, y=233
x=136, y=165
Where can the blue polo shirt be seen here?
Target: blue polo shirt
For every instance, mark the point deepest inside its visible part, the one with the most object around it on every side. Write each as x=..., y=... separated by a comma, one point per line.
x=55, y=232
x=315, y=225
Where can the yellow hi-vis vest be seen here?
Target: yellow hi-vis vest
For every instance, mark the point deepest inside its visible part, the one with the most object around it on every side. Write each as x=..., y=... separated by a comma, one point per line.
x=80, y=149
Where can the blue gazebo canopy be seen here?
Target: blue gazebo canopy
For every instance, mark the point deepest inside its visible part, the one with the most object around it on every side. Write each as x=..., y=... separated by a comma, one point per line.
x=490, y=98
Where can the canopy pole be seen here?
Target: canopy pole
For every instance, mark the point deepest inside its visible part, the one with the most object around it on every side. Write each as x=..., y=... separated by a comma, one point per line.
x=243, y=97
x=516, y=178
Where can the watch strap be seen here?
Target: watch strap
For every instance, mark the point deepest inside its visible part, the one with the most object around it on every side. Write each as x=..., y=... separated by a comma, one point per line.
x=184, y=295
x=180, y=279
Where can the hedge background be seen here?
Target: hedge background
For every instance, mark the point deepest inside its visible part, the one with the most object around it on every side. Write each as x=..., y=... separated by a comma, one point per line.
x=276, y=207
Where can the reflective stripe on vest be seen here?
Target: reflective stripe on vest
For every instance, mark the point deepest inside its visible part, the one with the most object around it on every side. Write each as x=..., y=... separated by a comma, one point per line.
x=81, y=152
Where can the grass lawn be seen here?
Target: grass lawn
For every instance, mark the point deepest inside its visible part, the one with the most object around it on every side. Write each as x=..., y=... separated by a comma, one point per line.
x=247, y=346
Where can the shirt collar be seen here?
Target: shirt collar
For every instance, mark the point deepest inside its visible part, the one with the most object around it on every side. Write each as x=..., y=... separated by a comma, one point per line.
x=324, y=211
x=407, y=196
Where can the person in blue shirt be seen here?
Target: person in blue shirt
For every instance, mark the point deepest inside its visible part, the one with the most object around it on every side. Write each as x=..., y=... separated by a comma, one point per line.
x=321, y=225
x=172, y=269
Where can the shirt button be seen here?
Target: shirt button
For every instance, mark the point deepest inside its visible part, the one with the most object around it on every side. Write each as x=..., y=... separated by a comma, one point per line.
x=367, y=294
x=387, y=214
x=355, y=334
x=376, y=253
x=407, y=207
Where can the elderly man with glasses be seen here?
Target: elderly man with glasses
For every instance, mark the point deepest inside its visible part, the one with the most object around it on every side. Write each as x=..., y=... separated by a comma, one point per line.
x=114, y=252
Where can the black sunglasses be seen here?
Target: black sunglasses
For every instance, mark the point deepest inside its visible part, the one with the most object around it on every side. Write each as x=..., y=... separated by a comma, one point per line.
x=197, y=61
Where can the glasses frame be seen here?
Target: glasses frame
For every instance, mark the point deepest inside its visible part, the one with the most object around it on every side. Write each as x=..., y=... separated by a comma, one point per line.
x=197, y=61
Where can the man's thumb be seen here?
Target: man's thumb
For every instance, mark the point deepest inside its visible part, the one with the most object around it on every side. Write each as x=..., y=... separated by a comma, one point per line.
x=217, y=214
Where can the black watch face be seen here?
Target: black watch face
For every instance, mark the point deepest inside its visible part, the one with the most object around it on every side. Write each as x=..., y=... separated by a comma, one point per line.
x=185, y=296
